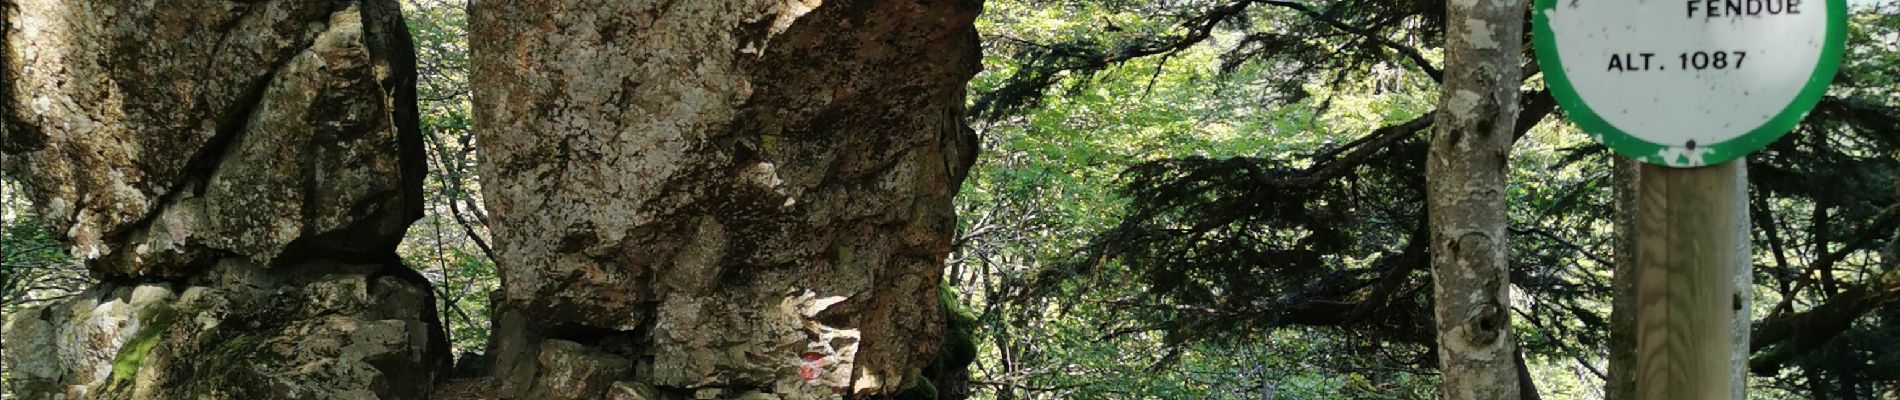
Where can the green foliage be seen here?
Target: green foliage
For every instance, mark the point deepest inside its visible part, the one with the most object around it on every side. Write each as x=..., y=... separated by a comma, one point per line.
x=1831, y=186
x=449, y=245
x=1047, y=183
x=1222, y=200
x=463, y=278
x=1271, y=169
x=34, y=267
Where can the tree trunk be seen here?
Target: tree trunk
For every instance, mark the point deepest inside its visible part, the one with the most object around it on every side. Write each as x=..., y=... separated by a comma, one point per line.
x=1526, y=383
x=1466, y=172
x=237, y=176
x=720, y=199
x=1621, y=384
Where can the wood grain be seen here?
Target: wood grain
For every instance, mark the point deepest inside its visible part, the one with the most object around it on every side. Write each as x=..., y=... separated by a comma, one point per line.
x=1693, y=259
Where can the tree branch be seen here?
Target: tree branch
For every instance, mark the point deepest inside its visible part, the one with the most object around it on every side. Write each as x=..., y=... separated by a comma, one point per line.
x=1409, y=52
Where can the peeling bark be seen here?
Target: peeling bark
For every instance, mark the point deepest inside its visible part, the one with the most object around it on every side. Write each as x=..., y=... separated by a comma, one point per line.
x=1466, y=174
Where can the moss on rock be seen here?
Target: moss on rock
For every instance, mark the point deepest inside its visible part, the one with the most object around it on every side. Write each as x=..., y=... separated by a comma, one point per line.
x=131, y=356
x=954, y=353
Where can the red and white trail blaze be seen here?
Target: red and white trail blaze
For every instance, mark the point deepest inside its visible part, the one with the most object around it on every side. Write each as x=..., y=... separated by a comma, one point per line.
x=810, y=366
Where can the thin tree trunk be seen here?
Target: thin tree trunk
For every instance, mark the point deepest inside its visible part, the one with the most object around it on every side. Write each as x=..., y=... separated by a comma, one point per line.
x=1622, y=382
x=1469, y=153
x=1526, y=384
x=1820, y=227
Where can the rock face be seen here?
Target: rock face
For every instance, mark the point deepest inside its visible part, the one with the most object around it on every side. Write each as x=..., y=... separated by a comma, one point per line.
x=742, y=199
x=237, y=175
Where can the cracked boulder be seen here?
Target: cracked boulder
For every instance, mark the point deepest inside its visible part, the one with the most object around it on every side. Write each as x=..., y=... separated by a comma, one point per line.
x=157, y=145
x=741, y=199
x=237, y=176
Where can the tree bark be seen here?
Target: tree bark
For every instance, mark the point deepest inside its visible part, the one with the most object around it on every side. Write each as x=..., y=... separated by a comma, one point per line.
x=720, y=199
x=1526, y=383
x=1621, y=384
x=1466, y=172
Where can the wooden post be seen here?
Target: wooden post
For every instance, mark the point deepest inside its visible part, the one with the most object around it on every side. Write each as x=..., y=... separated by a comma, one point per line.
x=1692, y=282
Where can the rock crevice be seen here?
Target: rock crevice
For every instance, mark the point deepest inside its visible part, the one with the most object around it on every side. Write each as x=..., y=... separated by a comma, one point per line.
x=755, y=195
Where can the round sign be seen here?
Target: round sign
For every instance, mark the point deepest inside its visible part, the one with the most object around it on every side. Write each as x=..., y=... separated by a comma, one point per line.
x=1687, y=83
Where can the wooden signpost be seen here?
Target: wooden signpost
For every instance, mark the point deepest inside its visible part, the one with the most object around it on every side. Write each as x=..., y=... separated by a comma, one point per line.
x=1690, y=87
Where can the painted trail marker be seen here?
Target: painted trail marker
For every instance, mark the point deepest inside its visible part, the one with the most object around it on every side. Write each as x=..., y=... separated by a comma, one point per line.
x=1681, y=84
x=1688, y=83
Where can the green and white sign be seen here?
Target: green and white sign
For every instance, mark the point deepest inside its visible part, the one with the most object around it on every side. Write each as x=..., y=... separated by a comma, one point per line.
x=1688, y=83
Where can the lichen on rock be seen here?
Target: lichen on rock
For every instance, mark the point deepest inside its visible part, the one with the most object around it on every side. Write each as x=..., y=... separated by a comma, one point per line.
x=335, y=338
x=236, y=175
x=748, y=199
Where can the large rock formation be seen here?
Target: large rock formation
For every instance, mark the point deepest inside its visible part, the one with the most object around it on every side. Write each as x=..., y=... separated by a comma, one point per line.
x=236, y=175
x=720, y=199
